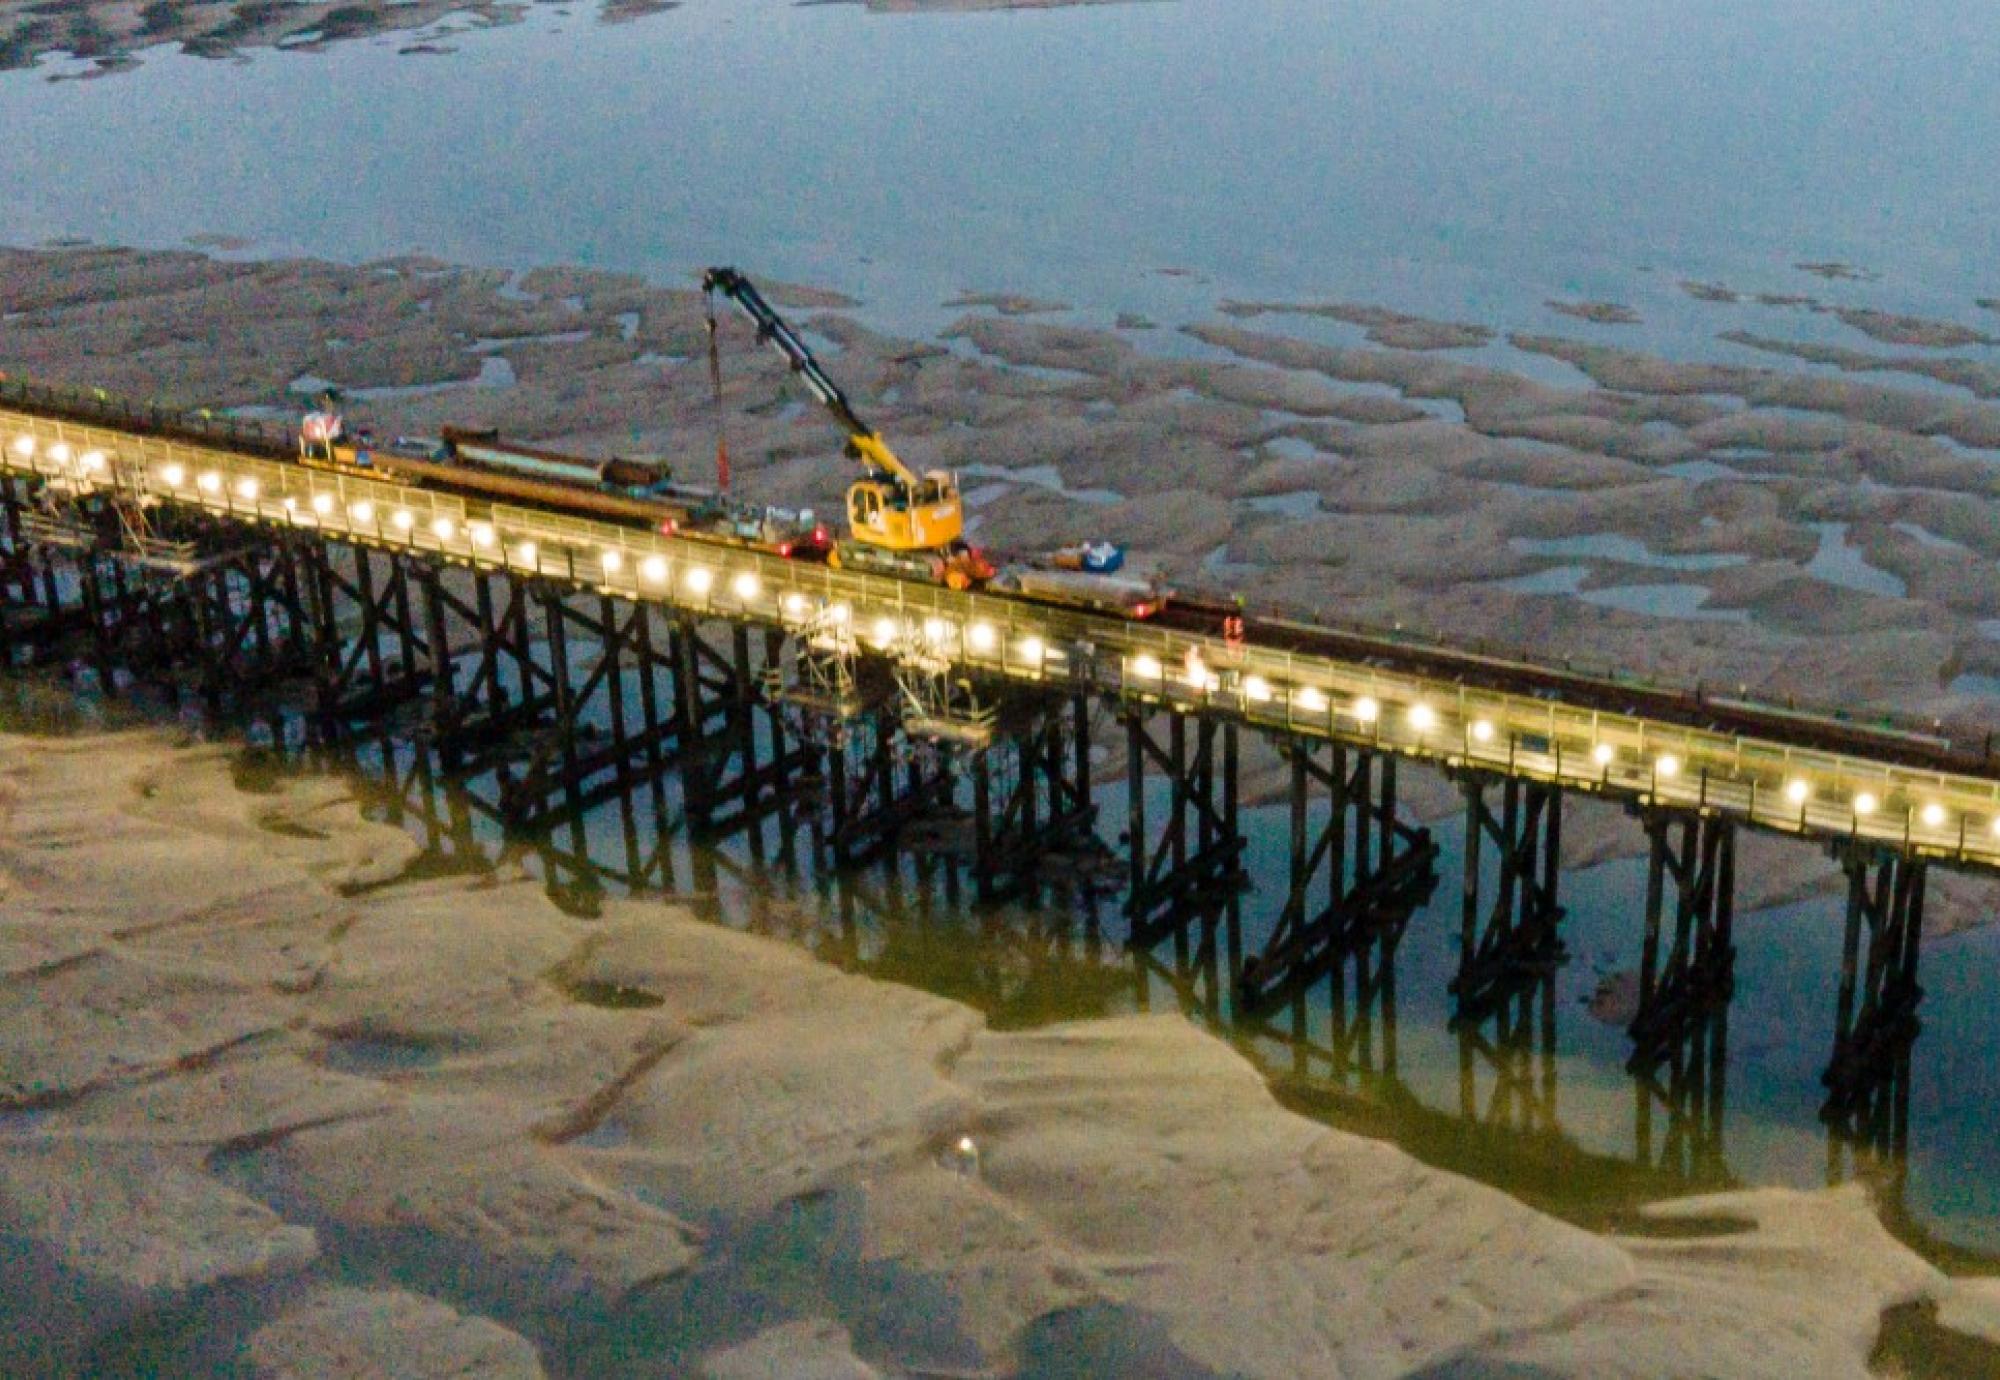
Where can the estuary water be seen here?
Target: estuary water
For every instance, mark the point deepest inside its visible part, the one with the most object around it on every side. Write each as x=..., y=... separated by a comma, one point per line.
x=1472, y=160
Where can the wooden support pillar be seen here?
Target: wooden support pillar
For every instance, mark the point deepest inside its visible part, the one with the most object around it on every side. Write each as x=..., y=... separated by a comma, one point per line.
x=1355, y=869
x=1517, y=938
x=1875, y=1019
x=1685, y=975
x=1198, y=854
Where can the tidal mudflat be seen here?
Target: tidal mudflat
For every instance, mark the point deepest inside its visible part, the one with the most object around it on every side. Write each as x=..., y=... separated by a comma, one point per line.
x=748, y=1164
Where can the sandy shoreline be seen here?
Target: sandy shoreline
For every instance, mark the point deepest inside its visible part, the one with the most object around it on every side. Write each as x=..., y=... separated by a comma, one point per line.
x=230, y=1052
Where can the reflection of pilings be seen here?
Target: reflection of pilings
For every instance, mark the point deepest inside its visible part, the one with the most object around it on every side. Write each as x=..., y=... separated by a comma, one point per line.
x=1044, y=802
x=1374, y=880
x=1516, y=1043
x=1694, y=975
x=1358, y=1043
x=1875, y=1021
x=1199, y=851
x=1205, y=954
x=464, y=825
x=1688, y=1084
x=1517, y=939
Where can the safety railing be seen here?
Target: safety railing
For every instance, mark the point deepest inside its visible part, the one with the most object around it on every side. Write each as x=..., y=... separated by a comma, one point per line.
x=1761, y=780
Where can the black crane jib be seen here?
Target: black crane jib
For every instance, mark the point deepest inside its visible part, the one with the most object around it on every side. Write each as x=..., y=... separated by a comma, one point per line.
x=772, y=328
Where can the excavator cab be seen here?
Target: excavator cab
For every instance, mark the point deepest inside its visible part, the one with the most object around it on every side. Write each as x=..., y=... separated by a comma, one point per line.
x=922, y=517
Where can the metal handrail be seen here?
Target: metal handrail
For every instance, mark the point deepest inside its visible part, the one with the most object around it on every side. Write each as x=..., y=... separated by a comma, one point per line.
x=1938, y=813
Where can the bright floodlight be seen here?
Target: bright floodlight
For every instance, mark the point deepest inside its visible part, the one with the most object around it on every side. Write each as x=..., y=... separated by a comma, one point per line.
x=1482, y=730
x=1667, y=767
x=1602, y=754
x=746, y=585
x=59, y=452
x=1933, y=816
x=1146, y=666
x=24, y=446
x=481, y=533
x=246, y=487
x=1423, y=718
x=1257, y=689
x=173, y=476
x=322, y=504
x=1032, y=650
x=92, y=461
x=981, y=637
x=883, y=633
x=404, y=519
x=654, y=568
x=1797, y=791
x=796, y=605
x=839, y=615
x=527, y=551
x=1366, y=711
x=700, y=579
x=936, y=631
x=442, y=528
x=1865, y=803
x=210, y=482
x=364, y=511
x=1312, y=699
x=613, y=560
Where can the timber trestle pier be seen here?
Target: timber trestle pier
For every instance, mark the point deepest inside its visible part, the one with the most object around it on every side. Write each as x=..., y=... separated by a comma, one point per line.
x=573, y=663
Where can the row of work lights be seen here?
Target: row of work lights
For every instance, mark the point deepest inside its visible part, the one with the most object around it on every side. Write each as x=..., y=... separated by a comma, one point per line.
x=1773, y=791
x=1780, y=794
x=611, y=567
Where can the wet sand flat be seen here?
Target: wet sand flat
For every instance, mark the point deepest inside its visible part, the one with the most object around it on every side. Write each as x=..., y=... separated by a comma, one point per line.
x=184, y=963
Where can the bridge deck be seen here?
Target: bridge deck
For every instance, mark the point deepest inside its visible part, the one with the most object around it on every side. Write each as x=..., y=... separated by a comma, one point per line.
x=1905, y=791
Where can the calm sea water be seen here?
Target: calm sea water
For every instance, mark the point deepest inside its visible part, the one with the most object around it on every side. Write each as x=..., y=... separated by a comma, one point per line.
x=1432, y=155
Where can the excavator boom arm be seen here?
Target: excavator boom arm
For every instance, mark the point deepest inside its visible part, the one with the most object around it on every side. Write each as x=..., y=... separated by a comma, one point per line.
x=771, y=328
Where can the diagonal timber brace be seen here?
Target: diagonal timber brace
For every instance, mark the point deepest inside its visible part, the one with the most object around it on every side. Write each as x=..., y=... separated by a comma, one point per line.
x=1356, y=872
x=1517, y=938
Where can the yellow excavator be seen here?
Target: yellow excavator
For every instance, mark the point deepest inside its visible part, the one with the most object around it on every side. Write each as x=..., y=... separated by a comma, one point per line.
x=899, y=522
